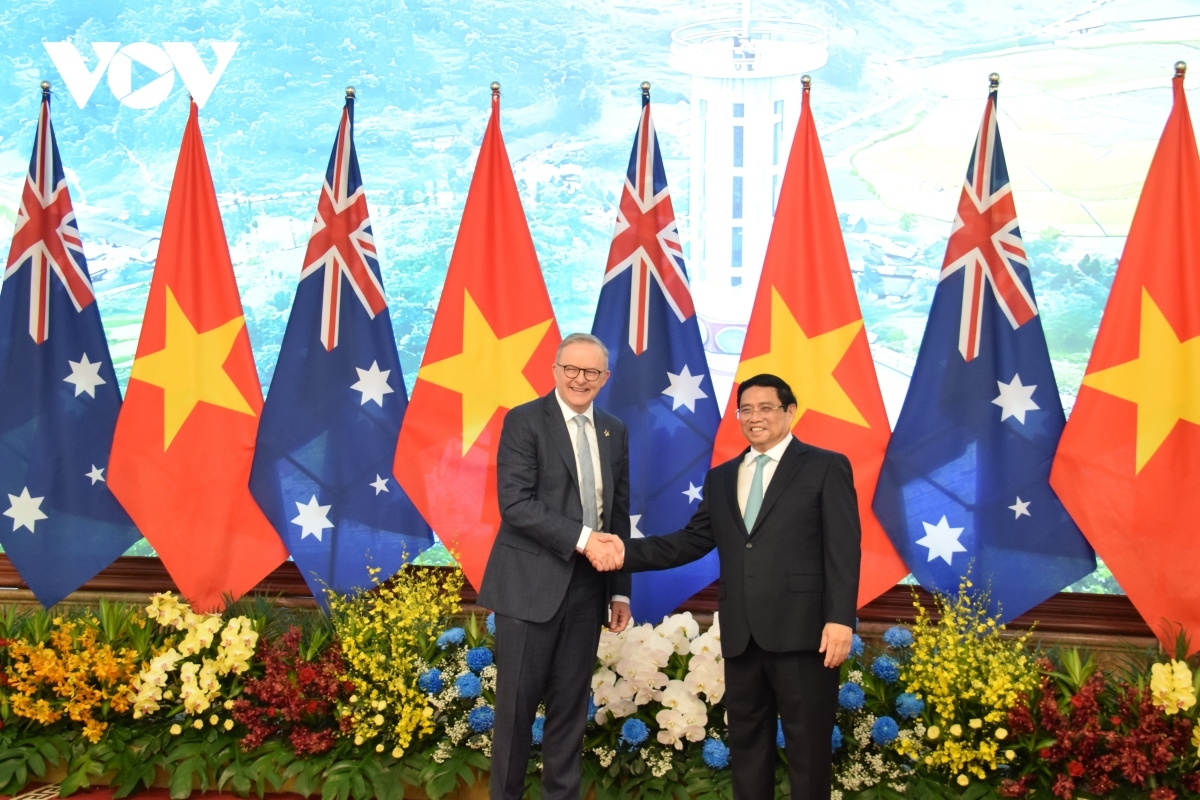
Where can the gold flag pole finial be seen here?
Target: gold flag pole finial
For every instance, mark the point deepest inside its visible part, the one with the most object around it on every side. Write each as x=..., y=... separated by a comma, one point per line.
x=807, y=81
x=45, y=88
x=350, y=92
x=993, y=81
x=646, y=89
x=1180, y=68
x=495, y=88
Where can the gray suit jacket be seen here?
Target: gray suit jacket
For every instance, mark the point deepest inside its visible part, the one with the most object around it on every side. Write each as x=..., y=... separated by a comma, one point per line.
x=795, y=571
x=541, y=515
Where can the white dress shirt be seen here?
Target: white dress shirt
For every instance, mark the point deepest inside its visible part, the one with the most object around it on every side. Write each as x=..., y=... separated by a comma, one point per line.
x=748, y=465
x=589, y=428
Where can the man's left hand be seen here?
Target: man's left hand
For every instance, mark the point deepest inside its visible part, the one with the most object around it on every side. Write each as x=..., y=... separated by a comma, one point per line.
x=835, y=643
x=619, y=616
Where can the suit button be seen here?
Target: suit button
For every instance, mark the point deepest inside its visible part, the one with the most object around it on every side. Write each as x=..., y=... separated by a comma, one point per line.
x=749, y=545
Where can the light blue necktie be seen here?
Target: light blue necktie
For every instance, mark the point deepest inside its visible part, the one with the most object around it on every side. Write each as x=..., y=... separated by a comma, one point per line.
x=755, y=498
x=587, y=475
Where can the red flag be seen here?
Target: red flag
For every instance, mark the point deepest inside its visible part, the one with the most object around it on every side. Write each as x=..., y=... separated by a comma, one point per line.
x=491, y=348
x=180, y=462
x=1127, y=462
x=806, y=327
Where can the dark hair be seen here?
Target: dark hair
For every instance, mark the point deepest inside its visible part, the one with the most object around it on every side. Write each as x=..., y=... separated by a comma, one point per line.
x=786, y=397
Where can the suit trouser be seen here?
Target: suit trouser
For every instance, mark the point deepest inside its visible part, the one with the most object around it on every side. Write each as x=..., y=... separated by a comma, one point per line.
x=553, y=661
x=798, y=689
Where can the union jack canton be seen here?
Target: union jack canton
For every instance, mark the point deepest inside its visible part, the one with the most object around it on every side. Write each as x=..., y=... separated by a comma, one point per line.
x=986, y=241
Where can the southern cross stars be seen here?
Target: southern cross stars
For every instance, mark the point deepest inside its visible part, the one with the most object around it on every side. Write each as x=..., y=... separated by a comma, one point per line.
x=1015, y=399
x=634, y=533
x=1020, y=508
x=97, y=474
x=313, y=518
x=379, y=485
x=372, y=384
x=85, y=375
x=24, y=510
x=684, y=389
x=942, y=541
x=693, y=492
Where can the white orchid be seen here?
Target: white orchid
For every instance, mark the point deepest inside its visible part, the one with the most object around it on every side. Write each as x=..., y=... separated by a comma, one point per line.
x=679, y=630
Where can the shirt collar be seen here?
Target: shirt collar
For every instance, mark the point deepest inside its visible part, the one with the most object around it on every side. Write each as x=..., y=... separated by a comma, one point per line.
x=776, y=452
x=570, y=413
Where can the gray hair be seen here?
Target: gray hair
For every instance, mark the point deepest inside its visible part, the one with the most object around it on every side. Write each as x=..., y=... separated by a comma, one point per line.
x=578, y=338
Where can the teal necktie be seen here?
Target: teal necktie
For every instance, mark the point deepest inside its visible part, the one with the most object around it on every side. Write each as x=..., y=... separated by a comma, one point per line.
x=755, y=498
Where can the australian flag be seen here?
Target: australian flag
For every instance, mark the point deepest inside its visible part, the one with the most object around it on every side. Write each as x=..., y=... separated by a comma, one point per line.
x=660, y=386
x=323, y=464
x=58, y=394
x=965, y=484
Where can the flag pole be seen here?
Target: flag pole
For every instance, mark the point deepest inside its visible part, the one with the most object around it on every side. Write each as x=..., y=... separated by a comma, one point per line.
x=46, y=87
x=994, y=82
x=646, y=90
x=807, y=81
x=1180, y=68
x=496, y=89
x=349, y=92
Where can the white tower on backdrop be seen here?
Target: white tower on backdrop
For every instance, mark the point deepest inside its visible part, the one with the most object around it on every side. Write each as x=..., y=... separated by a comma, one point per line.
x=745, y=104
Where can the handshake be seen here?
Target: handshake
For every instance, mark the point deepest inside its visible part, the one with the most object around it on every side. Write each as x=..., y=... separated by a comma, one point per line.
x=606, y=551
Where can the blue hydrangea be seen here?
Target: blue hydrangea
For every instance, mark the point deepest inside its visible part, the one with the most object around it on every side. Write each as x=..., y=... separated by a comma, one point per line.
x=884, y=731
x=592, y=709
x=634, y=732
x=490, y=624
x=856, y=646
x=851, y=696
x=539, y=728
x=478, y=658
x=715, y=754
x=779, y=740
x=468, y=685
x=909, y=706
x=452, y=638
x=431, y=681
x=836, y=740
x=885, y=668
x=481, y=719
x=898, y=637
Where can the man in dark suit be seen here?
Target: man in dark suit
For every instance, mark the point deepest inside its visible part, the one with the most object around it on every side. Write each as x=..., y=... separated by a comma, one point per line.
x=784, y=518
x=562, y=473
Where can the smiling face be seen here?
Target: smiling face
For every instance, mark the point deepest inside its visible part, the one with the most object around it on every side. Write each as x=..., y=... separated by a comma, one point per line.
x=764, y=429
x=578, y=392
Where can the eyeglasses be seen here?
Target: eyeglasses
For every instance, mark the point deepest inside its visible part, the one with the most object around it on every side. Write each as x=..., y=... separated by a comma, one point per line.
x=573, y=372
x=764, y=409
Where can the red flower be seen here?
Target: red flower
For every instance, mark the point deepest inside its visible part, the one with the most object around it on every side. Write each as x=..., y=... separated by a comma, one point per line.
x=1075, y=768
x=1162, y=793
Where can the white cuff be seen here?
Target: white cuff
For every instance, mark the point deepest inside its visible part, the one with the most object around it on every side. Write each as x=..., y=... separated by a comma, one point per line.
x=583, y=539
x=619, y=598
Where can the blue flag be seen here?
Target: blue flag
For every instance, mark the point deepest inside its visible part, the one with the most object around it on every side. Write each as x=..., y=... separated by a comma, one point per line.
x=660, y=386
x=323, y=465
x=965, y=484
x=58, y=395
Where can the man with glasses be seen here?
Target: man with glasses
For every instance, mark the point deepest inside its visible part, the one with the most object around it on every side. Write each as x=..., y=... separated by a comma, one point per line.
x=562, y=476
x=784, y=518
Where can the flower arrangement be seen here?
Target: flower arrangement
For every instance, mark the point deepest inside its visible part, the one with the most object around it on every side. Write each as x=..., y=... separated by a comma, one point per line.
x=969, y=677
x=384, y=634
x=71, y=675
x=397, y=688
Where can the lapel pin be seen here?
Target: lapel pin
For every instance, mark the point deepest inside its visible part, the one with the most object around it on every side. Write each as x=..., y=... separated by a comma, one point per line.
x=606, y=431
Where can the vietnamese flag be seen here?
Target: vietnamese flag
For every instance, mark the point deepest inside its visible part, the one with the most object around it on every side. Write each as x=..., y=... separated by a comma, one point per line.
x=181, y=454
x=491, y=348
x=1127, y=463
x=806, y=327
